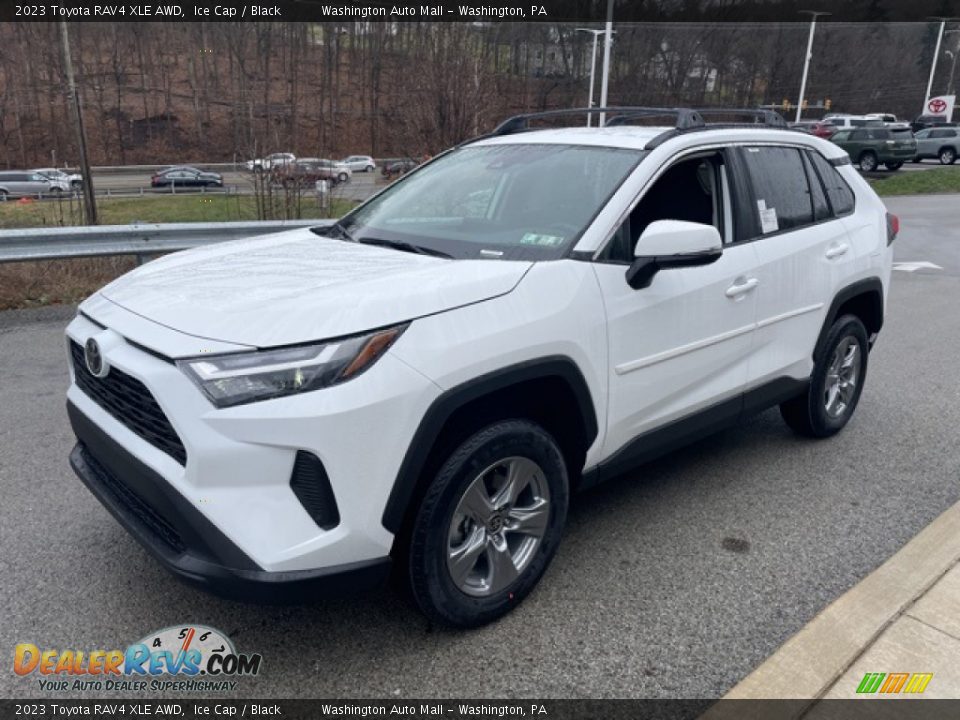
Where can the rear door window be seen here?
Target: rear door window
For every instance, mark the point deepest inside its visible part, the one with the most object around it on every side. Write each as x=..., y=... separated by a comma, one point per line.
x=781, y=194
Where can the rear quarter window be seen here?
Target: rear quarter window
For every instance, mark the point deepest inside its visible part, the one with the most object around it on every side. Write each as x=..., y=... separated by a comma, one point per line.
x=838, y=192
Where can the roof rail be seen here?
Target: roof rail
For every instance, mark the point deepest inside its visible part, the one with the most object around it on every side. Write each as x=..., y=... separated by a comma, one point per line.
x=685, y=117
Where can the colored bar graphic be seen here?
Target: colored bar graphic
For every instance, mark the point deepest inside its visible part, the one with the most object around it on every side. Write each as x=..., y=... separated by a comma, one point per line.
x=893, y=683
x=918, y=682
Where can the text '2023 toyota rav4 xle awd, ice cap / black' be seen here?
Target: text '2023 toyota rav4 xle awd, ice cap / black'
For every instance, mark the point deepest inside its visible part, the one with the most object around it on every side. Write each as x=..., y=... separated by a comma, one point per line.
x=426, y=382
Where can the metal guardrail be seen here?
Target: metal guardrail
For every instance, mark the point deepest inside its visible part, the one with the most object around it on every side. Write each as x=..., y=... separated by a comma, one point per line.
x=52, y=243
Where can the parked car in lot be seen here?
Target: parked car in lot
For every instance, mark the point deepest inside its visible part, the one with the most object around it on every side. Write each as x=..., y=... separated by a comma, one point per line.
x=928, y=121
x=65, y=181
x=360, y=163
x=270, y=162
x=872, y=147
x=815, y=127
x=307, y=171
x=21, y=183
x=427, y=381
x=395, y=168
x=942, y=143
x=885, y=118
x=183, y=176
x=843, y=122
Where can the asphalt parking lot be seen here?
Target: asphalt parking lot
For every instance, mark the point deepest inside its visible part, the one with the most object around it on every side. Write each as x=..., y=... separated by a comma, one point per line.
x=675, y=582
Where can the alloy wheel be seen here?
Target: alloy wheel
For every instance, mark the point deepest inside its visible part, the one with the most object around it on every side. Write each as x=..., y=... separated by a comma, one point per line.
x=499, y=522
x=842, y=376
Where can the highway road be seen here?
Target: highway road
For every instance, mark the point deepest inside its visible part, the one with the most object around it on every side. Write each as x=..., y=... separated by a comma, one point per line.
x=674, y=582
x=130, y=181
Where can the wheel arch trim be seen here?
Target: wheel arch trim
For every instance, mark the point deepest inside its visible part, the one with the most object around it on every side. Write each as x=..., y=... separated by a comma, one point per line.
x=443, y=407
x=867, y=286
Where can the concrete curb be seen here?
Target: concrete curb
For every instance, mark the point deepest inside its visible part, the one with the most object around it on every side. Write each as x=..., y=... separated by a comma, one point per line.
x=810, y=662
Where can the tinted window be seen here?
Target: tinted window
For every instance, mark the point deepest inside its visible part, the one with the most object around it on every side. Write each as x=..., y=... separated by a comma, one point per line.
x=842, y=135
x=858, y=135
x=923, y=134
x=780, y=188
x=902, y=134
x=839, y=193
x=942, y=133
x=821, y=208
x=879, y=134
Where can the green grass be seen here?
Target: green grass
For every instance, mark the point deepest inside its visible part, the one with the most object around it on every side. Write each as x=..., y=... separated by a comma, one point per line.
x=935, y=180
x=160, y=209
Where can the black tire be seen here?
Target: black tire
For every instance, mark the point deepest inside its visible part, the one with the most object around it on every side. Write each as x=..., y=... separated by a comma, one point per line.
x=807, y=414
x=3, y=195
x=868, y=161
x=894, y=166
x=433, y=587
x=947, y=156
x=368, y=168
x=342, y=177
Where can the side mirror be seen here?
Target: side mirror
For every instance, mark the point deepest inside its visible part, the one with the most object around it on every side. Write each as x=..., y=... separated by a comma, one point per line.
x=672, y=244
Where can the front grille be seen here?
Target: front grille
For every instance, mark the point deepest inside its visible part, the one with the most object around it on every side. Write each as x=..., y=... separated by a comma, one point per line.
x=129, y=401
x=148, y=517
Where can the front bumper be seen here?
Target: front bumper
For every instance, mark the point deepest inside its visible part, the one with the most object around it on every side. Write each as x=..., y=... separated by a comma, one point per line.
x=188, y=544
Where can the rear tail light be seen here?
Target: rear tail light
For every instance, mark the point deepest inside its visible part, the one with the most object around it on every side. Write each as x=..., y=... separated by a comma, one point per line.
x=893, y=227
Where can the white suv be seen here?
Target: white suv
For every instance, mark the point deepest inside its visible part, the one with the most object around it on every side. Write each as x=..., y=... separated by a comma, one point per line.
x=427, y=381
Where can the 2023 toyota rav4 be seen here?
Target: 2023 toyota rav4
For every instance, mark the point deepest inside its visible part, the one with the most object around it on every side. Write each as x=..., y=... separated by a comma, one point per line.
x=429, y=379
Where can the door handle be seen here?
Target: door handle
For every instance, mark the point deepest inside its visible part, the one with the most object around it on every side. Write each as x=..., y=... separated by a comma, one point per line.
x=738, y=289
x=837, y=251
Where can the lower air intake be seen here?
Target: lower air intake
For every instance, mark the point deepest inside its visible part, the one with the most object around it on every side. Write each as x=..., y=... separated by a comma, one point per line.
x=311, y=485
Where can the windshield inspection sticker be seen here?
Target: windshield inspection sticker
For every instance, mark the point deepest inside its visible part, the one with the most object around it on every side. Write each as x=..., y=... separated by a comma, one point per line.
x=542, y=240
x=768, y=218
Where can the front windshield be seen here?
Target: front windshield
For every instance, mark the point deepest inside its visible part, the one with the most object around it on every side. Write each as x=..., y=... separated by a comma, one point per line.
x=523, y=201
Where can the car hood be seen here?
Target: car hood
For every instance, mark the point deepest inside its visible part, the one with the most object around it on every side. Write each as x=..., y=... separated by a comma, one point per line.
x=295, y=287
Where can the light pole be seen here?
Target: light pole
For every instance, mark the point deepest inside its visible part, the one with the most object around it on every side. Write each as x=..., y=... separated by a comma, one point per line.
x=593, y=66
x=814, y=14
x=953, y=62
x=607, y=42
x=936, y=55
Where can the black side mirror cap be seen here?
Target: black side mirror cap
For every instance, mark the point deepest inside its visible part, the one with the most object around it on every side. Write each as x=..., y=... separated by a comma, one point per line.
x=643, y=269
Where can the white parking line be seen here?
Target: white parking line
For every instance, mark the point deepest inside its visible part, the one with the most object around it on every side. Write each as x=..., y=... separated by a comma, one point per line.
x=915, y=265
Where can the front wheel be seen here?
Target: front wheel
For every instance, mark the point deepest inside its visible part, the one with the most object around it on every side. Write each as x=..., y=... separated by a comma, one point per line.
x=894, y=166
x=868, y=162
x=342, y=177
x=489, y=524
x=948, y=156
x=368, y=168
x=839, y=370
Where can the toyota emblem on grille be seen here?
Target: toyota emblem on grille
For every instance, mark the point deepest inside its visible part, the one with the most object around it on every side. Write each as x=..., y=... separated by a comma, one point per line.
x=93, y=358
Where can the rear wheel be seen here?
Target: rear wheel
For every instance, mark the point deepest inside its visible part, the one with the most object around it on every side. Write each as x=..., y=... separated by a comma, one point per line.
x=868, y=161
x=342, y=177
x=489, y=524
x=948, y=156
x=3, y=195
x=839, y=370
x=368, y=168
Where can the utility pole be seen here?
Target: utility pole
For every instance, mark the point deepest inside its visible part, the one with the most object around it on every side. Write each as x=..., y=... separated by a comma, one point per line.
x=814, y=14
x=607, y=42
x=89, y=203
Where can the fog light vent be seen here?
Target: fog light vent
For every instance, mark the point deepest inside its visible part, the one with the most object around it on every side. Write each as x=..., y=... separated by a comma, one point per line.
x=311, y=485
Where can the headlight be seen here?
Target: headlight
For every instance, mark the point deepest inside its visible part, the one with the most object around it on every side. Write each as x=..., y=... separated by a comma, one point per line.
x=250, y=376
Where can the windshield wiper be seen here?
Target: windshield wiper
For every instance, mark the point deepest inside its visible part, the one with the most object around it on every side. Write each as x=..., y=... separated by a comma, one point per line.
x=338, y=227
x=404, y=246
